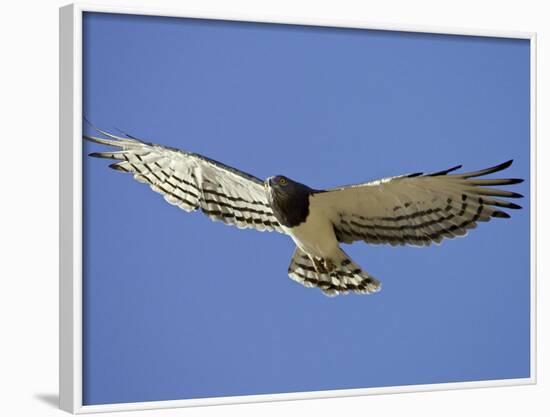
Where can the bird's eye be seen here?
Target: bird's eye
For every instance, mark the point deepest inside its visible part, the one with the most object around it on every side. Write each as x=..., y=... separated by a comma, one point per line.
x=282, y=181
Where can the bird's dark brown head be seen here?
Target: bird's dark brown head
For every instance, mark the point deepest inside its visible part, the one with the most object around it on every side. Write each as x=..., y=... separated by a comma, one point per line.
x=289, y=200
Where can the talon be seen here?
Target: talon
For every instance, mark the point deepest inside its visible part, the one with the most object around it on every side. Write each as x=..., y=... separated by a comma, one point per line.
x=323, y=266
x=319, y=265
x=329, y=265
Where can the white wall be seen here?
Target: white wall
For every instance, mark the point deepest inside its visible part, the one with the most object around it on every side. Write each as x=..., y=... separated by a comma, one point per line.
x=29, y=223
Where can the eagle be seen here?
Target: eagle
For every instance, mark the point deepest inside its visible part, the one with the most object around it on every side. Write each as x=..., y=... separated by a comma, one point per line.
x=414, y=209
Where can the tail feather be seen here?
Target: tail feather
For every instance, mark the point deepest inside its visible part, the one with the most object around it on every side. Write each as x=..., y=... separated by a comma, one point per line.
x=344, y=278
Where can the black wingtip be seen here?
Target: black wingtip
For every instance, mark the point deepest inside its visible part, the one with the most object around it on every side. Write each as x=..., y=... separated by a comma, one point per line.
x=515, y=180
x=500, y=214
x=445, y=171
x=502, y=166
x=515, y=195
x=126, y=134
x=90, y=124
x=118, y=167
x=490, y=170
x=103, y=155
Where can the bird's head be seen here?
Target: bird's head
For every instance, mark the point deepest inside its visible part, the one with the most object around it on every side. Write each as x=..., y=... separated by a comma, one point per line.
x=288, y=199
x=278, y=181
x=280, y=187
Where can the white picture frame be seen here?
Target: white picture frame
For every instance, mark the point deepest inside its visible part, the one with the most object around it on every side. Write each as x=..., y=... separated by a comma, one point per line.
x=71, y=210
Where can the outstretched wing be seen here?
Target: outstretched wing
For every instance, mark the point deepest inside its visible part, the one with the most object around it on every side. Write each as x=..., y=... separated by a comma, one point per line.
x=192, y=181
x=416, y=209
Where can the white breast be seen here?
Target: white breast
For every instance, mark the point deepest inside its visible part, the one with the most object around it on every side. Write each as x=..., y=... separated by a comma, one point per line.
x=316, y=235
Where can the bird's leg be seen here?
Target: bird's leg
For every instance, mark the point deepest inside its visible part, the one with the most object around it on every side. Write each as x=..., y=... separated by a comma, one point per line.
x=329, y=265
x=323, y=266
x=319, y=265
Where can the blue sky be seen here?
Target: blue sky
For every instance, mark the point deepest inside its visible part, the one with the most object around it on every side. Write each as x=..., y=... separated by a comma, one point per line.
x=177, y=306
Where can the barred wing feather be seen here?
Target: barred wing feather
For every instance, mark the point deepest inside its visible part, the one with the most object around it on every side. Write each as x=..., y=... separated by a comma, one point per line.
x=191, y=181
x=416, y=209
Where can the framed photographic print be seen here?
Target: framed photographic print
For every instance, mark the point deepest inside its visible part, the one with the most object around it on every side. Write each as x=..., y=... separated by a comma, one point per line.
x=296, y=209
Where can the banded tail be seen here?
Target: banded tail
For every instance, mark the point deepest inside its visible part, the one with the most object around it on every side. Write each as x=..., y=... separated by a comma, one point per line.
x=346, y=276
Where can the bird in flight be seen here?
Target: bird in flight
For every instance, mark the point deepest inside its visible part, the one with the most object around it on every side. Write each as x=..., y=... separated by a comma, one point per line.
x=414, y=209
